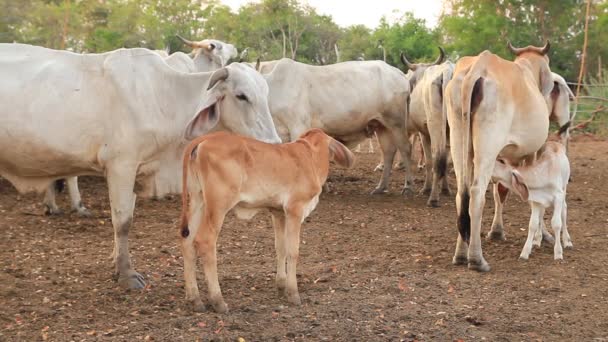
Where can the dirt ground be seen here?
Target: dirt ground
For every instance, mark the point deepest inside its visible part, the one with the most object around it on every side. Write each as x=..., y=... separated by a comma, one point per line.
x=372, y=268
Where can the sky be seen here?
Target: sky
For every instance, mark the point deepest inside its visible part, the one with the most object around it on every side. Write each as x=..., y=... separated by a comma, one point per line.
x=367, y=12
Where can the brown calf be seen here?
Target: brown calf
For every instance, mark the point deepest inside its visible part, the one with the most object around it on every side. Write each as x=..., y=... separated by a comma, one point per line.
x=223, y=171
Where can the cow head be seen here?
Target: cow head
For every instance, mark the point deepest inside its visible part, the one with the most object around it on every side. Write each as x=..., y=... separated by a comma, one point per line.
x=210, y=54
x=416, y=70
x=538, y=62
x=236, y=100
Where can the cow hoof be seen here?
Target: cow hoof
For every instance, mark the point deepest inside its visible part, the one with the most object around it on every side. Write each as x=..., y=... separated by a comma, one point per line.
x=446, y=192
x=459, y=260
x=558, y=257
x=425, y=191
x=132, y=280
x=479, y=266
x=406, y=191
x=496, y=235
x=84, y=212
x=51, y=212
x=220, y=307
x=198, y=306
x=379, y=167
x=523, y=257
x=548, y=238
x=433, y=203
x=399, y=167
x=294, y=299
x=379, y=191
x=568, y=245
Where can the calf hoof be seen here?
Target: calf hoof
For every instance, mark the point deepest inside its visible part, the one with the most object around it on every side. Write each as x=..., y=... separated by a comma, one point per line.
x=433, y=203
x=294, y=299
x=479, y=266
x=406, y=191
x=379, y=191
x=51, y=212
x=131, y=280
x=568, y=245
x=524, y=256
x=558, y=257
x=219, y=306
x=379, y=167
x=496, y=235
x=459, y=260
x=198, y=306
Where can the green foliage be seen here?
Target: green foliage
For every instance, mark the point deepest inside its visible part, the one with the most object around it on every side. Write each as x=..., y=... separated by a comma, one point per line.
x=273, y=29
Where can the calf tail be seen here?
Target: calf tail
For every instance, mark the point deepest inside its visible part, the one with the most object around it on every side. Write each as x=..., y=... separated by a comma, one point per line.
x=189, y=155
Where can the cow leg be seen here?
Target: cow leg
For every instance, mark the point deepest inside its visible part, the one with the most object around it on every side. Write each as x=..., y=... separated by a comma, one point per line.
x=404, y=146
x=51, y=207
x=278, y=222
x=189, y=253
x=121, y=180
x=556, y=224
x=428, y=177
x=483, y=167
x=206, y=244
x=77, y=205
x=460, y=254
x=388, y=155
x=533, y=227
x=500, y=197
x=293, y=221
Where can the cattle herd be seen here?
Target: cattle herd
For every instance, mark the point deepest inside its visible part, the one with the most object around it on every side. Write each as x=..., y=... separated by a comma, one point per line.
x=244, y=137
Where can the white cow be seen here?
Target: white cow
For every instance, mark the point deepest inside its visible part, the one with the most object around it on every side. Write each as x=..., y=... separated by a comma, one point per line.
x=207, y=55
x=65, y=114
x=349, y=101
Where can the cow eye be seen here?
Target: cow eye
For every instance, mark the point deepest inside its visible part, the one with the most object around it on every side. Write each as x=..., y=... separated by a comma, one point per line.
x=242, y=97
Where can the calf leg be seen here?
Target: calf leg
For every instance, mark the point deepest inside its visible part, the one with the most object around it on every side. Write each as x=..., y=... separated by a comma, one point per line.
x=206, y=244
x=538, y=235
x=500, y=197
x=567, y=240
x=388, y=154
x=278, y=222
x=49, y=201
x=189, y=254
x=293, y=219
x=533, y=226
x=556, y=224
x=77, y=205
x=121, y=179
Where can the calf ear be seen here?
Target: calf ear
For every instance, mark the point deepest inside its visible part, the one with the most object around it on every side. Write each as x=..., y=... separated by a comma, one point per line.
x=517, y=182
x=341, y=154
x=203, y=122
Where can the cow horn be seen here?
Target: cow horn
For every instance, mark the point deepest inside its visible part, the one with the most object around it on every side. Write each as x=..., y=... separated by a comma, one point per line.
x=243, y=55
x=218, y=75
x=545, y=49
x=406, y=62
x=186, y=41
x=257, y=64
x=441, y=57
x=515, y=50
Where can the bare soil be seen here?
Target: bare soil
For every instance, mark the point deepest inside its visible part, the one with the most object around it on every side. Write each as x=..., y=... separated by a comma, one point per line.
x=372, y=268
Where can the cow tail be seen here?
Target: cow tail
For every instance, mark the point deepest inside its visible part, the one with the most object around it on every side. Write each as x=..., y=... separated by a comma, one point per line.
x=471, y=89
x=59, y=185
x=190, y=155
x=442, y=160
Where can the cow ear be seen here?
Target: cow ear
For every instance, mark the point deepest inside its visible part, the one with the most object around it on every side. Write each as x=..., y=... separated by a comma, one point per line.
x=517, y=182
x=340, y=153
x=546, y=81
x=203, y=122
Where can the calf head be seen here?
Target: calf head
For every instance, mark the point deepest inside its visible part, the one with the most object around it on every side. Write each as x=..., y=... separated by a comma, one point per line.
x=210, y=54
x=236, y=100
x=510, y=178
x=538, y=62
x=323, y=143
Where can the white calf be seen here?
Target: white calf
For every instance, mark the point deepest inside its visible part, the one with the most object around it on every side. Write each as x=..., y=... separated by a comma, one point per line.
x=543, y=184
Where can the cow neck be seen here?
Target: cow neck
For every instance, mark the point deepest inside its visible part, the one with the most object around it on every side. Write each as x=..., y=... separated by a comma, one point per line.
x=192, y=88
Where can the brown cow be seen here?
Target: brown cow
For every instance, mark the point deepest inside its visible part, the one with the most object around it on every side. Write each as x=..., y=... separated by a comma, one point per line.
x=223, y=171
